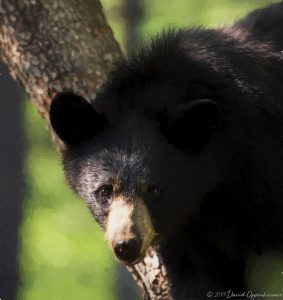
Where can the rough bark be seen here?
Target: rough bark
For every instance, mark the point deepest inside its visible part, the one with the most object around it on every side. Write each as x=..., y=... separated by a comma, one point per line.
x=51, y=45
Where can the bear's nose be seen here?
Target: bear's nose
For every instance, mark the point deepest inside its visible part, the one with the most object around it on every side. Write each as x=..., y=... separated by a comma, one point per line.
x=128, y=251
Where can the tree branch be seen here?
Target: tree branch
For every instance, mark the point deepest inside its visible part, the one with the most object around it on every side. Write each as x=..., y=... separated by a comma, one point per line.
x=51, y=45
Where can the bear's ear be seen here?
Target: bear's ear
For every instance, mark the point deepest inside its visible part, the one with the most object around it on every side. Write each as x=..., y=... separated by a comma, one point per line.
x=73, y=119
x=191, y=126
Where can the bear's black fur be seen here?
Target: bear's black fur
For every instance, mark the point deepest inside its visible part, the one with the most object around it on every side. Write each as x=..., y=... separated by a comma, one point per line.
x=198, y=115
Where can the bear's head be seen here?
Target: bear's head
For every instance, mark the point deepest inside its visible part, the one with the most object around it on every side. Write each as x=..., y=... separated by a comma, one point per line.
x=141, y=168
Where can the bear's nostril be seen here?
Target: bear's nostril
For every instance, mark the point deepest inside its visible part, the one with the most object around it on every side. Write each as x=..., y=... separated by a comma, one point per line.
x=127, y=250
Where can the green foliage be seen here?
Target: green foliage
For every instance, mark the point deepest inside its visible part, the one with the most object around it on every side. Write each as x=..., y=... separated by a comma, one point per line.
x=264, y=273
x=181, y=14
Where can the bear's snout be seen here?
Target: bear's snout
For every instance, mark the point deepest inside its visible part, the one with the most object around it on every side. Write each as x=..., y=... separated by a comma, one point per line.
x=129, y=229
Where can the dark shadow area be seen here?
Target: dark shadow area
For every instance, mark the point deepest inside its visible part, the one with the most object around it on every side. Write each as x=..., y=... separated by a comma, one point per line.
x=12, y=182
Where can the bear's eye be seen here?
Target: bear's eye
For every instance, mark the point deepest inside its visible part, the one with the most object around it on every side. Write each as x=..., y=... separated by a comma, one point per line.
x=154, y=191
x=105, y=191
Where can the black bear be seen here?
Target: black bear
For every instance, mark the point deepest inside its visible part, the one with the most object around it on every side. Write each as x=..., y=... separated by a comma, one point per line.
x=184, y=145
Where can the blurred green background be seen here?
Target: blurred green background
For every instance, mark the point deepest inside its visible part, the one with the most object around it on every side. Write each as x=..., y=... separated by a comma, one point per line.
x=62, y=251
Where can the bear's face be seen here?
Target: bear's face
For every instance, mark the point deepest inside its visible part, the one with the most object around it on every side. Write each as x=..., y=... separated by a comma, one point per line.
x=141, y=172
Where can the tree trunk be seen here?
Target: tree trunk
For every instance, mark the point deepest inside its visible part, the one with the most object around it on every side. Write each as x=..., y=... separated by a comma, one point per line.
x=51, y=45
x=133, y=12
x=12, y=181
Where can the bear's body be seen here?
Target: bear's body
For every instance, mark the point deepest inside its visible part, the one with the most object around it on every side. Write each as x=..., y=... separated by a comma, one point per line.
x=185, y=145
